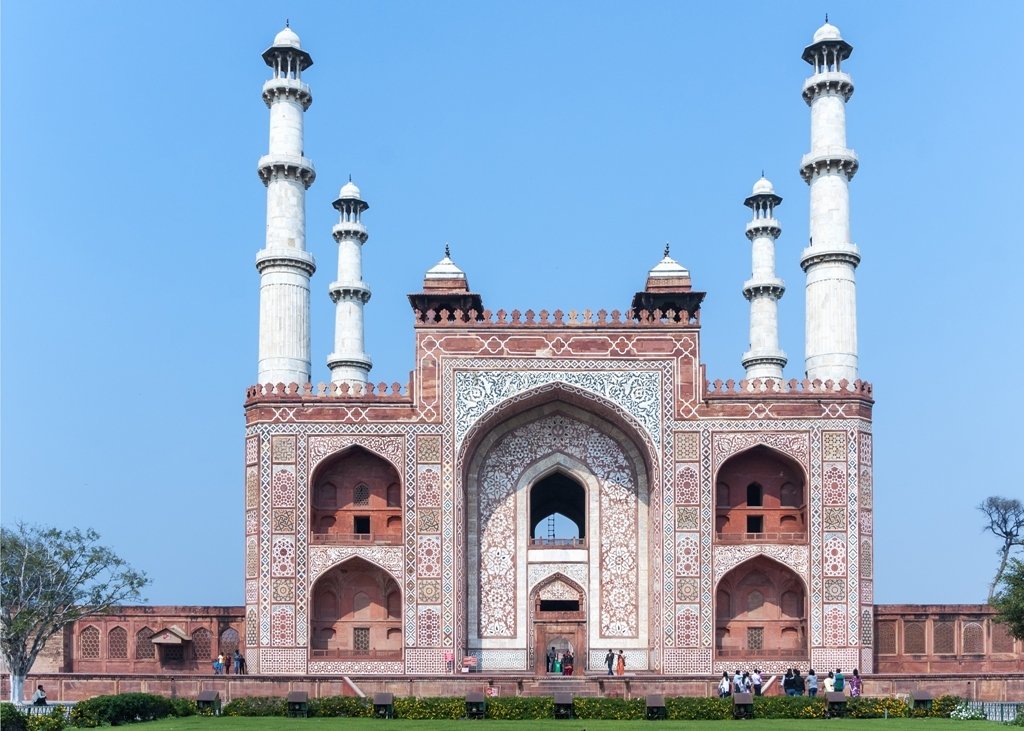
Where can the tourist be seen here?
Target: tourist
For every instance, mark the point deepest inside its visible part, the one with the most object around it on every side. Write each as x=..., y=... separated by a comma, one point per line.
x=830, y=683
x=620, y=664
x=812, y=683
x=724, y=685
x=737, y=682
x=551, y=659
x=856, y=684
x=223, y=663
x=556, y=664
x=756, y=681
x=567, y=662
x=236, y=660
x=787, y=682
x=747, y=683
x=609, y=660
x=218, y=666
x=839, y=681
x=798, y=683
x=39, y=697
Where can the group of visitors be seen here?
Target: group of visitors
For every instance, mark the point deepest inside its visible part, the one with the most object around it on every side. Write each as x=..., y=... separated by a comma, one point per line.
x=793, y=683
x=223, y=663
x=740, y=682
x=835, y=682
x=560, y=663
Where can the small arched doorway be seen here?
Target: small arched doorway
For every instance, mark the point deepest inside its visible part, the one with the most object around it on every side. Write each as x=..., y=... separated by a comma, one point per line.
x=558, y=511
x=559, y=622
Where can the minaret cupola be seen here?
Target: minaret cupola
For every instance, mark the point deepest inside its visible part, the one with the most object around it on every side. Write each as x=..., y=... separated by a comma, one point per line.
x=668, y=288
x=445, y=287
x=284, y=264
x=349, y=362
x=830, y=258
x=764, y=289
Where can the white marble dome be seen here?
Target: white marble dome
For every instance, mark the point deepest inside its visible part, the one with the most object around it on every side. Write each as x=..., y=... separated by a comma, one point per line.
x=445, y=269
x=763, y=187
x=827, y=32
x=287, y=38
x=350, y=190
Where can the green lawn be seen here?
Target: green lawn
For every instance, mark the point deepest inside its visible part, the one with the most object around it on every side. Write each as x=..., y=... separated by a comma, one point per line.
x=240, y=723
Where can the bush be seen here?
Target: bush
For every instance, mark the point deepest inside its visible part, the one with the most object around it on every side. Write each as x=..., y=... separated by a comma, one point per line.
x=784, y=706
x=55, y=720
x=611, y=709
x=255, y=706
x=945, y=705
x=520, y=707
x=181, y=707
x=427, y=708
x=340, y=706
x=120, y=709
x=698, y=709
x=864, y=707
x=11, y=719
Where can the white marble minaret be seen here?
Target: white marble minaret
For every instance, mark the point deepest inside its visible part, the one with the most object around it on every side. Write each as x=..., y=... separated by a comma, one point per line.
x=830, y=257
x=284, y=264
x=763, y=290
x=349, y=363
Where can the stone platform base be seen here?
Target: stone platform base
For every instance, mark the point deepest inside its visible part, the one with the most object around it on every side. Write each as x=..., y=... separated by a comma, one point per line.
x=79, y=686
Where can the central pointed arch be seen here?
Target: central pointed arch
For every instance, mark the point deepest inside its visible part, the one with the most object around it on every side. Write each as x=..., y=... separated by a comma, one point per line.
x=551, y=439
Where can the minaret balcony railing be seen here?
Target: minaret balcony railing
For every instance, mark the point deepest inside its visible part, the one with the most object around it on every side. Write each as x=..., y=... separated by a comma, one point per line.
x=764, y=288
x=832, y=253
x=275, y=89
x=763, y=227
x=283, y=165
x=285, y=259
x=829, y=160
x=829, y=81
x=359, y=292
x=350, y=230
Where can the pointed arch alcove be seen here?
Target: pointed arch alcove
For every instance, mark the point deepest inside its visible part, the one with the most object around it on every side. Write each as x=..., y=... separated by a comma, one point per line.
x=355, y=499
x=760, y=495
x=356, y=613
x=761, y=612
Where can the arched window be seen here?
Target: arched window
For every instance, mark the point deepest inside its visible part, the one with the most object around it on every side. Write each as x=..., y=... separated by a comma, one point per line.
x=144, y=647
x=89, y=641
x=755, y=495
x=755, y=600
x=558, y=510
x=202, y=644
x=913, y=638
x=326, y=607
x=974, y=639
x=394, y=495
x=326, y=495
x=117, y=643
x=361, y=495
x=229, y=640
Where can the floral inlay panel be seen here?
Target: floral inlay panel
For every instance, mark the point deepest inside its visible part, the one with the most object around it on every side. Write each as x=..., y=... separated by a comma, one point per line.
x=499, y=478
x=637, y=392
x=728, y=557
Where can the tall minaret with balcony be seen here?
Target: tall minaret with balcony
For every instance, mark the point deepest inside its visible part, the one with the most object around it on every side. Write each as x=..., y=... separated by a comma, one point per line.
x=284, y=264
x=349, y=363
x=830, y=258
x=763, y=290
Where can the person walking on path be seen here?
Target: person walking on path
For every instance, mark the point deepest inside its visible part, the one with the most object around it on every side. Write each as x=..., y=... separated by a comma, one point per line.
x=609, y=660
x=620, y=664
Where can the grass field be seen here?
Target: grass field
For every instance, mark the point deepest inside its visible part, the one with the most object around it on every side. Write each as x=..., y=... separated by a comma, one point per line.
x=243, y=723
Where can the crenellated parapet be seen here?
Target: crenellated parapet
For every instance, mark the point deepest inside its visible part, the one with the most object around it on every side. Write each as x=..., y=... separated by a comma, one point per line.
x=805, y=387
x=557, y=318
x=368, y=392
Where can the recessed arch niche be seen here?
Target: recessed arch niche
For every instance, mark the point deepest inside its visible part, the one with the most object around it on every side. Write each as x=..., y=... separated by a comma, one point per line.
x=760, y=494
x=761, y=608
x=355, y=615
x=355, y=498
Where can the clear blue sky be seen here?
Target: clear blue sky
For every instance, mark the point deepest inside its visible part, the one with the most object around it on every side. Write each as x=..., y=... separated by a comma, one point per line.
x=557, y=146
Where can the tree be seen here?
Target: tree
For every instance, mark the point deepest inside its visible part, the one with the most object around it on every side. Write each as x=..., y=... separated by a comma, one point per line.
x=1006, y=521
x=1009, y=601
x=49, y=578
